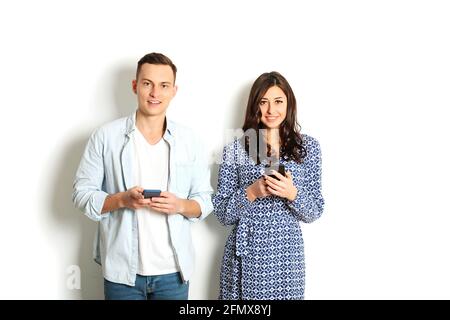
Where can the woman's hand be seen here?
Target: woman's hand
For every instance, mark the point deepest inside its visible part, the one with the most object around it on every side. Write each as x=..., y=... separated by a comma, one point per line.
x=257, y=189
x=283, y=188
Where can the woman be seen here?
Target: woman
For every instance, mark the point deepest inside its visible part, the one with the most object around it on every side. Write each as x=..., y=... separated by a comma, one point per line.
x=263, y=257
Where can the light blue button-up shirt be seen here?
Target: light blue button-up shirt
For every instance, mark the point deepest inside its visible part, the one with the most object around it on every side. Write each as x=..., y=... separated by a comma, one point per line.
x=107, y=168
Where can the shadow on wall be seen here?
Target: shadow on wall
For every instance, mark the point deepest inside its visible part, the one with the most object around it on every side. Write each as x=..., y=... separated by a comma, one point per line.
x=65, y=215
x=72, y=221
x=235, y=121
x=124, y=97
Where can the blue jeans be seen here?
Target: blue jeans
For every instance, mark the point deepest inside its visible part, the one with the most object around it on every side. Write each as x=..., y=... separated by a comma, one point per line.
x=162, y=287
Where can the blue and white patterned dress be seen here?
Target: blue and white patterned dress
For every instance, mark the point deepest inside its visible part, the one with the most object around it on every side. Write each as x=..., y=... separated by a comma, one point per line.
x=263, y=256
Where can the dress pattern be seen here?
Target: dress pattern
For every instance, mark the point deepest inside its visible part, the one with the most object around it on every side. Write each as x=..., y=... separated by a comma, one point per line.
x=263, y=256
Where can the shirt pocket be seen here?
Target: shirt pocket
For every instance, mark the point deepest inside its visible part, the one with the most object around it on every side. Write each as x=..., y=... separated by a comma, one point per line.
x=182, y=180
x=183, y=167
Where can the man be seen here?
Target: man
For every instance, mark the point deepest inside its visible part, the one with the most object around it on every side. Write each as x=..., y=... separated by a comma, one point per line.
x=144, y=244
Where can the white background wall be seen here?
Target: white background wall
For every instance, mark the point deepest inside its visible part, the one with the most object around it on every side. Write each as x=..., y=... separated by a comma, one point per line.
x=372, y=79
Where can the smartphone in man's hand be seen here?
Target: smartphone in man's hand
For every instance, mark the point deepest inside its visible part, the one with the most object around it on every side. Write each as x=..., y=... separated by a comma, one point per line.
x=150, y=193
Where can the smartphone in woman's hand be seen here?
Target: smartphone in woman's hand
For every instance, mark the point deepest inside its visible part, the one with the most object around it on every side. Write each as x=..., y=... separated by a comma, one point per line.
x=281, y=170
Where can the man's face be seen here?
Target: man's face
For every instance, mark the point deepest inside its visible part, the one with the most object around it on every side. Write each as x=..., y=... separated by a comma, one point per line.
x=154, y=88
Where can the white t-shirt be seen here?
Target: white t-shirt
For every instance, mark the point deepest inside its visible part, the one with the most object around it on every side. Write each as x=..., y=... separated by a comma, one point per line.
x=151, y=171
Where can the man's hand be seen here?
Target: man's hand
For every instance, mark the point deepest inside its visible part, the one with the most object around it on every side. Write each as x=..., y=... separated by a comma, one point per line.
x=166, y=203
x=133, y=198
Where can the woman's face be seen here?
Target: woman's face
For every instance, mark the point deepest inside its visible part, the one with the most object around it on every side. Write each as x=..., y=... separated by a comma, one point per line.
x=273, y=106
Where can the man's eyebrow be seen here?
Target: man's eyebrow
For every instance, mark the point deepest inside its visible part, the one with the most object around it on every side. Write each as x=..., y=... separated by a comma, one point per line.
x=164, y=82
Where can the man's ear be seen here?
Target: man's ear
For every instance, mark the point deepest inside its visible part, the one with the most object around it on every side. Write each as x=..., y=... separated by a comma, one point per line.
x=175, y=89
x=134, y=86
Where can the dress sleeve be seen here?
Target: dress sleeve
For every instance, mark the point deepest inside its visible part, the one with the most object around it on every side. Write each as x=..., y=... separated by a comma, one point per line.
x=230, y=202
x=309, y=203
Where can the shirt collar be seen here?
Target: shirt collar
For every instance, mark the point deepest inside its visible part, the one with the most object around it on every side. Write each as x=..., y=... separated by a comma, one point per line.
x=131, y=126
